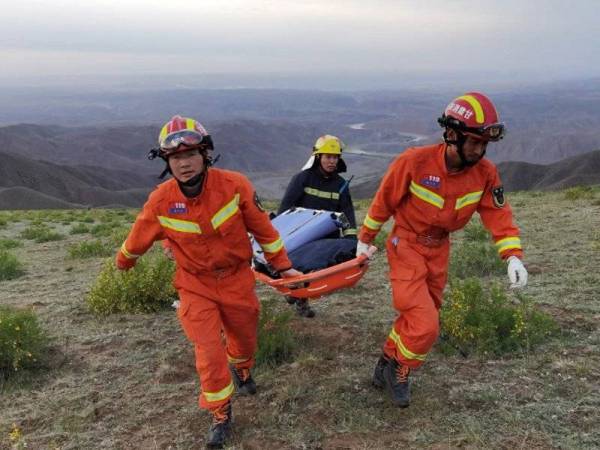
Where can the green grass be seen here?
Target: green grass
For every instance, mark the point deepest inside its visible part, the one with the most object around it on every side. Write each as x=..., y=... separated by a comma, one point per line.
x=7, y=244
x=80, y=228
x=276, y=341
x=580, y=193
x=128, y=380
x=40, y=232
x=90, y=249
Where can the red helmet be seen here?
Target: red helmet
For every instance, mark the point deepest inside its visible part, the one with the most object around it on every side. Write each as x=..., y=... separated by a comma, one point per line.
x=183, y=131
x=473, y=114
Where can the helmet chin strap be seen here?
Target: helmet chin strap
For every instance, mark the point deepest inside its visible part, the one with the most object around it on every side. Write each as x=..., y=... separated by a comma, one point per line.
x=459, y=142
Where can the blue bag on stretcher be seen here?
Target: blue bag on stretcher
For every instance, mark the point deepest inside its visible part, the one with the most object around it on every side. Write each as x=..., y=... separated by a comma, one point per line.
x=298, y=226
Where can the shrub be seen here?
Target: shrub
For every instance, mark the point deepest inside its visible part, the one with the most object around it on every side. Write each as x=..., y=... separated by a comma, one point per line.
x=86, y=219
x=118, y=236
x=103, y=229
x=145, y=288
x=6, y=244
x=276, y=342
x=10, y=266
x=579, y=192
x=40, y=232
x=475, y=232
x=90, y=249
x=475, y=259
x=481, y=321
x=80, y=228
x=22, y=341
x=3, y=222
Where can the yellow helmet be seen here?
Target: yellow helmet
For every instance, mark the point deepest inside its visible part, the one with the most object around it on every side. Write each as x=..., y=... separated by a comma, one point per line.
x=329, y=144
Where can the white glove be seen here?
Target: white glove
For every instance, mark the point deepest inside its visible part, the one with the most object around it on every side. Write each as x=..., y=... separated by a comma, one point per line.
x=363, y=249
x=517, y=273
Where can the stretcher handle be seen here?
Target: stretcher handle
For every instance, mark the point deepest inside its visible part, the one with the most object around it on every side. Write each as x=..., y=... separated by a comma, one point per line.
x=296, y=282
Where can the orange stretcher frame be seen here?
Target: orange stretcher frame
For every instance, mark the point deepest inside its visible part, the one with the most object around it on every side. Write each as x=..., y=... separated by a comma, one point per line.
x=316, y=284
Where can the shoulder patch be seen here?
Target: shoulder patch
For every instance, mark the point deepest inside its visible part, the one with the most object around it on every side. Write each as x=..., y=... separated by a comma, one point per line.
x=258, y=203
x=498, y=196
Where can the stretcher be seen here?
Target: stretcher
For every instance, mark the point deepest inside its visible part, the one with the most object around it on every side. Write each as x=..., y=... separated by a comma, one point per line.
x=316, y=284
x=297, y=227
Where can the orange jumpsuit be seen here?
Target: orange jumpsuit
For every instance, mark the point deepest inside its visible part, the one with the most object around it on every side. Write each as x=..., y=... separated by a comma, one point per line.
x=427, y=203
x=208, y=235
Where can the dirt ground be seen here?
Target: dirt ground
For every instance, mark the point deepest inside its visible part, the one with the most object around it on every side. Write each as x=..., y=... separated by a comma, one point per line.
x=129, y=382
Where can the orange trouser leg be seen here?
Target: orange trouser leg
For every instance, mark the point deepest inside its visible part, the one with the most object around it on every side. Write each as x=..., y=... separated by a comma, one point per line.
x=240, y=318
x=201, y=321
x=418, y=276
x=227, y=307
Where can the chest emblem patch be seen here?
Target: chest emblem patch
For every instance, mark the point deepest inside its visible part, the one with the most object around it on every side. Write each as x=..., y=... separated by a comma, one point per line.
x=498, y=196
x=431, y=181
x=177, y=208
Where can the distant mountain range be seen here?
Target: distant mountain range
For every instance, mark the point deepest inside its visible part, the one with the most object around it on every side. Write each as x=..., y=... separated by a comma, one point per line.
x=89, y=148
x=29, y=184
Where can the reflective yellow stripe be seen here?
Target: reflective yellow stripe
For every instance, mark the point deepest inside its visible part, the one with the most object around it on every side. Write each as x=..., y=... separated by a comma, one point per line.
x=349, y=232
x=163, y=133
x=426, y=195
x=272, y=247
x=508, y=243
x=179, y=225
x=220, y=395
x=405, y=352
x=226, y=212
x=127, y=254
x=479, y=116
x=233, y=360
x=468, y=199
x=372, y=223
x=189, y=124
x=322, y=194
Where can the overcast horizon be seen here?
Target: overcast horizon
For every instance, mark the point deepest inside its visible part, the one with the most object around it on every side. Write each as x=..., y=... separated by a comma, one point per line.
x=260, y=43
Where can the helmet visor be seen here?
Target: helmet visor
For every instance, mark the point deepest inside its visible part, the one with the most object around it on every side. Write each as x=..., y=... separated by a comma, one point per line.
x=493, y=132
x=189, y=138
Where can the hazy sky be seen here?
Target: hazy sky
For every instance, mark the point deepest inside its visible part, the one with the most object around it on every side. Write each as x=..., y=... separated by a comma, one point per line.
x=366, y=39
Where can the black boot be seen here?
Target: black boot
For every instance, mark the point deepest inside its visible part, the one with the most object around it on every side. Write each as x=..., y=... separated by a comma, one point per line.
x=303, y=309
x=242, y=378
x=397, y=384
x=220, y=429
x=378, y=380
x=291, y=300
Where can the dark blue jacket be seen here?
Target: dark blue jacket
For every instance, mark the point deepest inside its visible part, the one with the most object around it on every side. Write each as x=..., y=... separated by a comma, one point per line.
x=311, y=189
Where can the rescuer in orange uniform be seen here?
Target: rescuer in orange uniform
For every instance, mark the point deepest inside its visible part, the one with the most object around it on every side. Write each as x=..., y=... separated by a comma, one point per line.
x=204, y=215
x=431, y=191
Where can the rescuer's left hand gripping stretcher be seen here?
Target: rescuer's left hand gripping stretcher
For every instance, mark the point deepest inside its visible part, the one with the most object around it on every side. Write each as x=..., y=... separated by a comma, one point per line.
x=332, y=263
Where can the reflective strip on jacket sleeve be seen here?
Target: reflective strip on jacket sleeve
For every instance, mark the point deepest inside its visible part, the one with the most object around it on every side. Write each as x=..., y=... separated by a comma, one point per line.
x=272, y=247
x=508, y=243
x=126, y=254
x=372, y=223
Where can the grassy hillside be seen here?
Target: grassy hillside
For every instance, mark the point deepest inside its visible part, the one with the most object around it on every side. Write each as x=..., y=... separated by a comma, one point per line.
x=128, y=381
